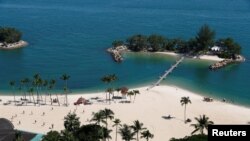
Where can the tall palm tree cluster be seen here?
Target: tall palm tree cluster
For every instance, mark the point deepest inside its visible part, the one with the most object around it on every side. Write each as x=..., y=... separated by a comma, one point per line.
x=40, y=88
x=108, y=79
x=98, y=129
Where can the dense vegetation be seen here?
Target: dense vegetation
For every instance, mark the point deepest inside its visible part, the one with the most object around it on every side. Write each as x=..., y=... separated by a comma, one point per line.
x=192, y=138
x=200, y=44
x=97, y=130
x=9, y=35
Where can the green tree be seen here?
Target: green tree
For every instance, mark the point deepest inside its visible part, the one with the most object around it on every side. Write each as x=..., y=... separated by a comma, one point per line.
x=37, y=82
x=90, y=132
x=71, y=122
x=130, y=94
x=230, y=48
x=109, y=79
x=137, y=127
x=117, y=123
x=52, y=136
x=117, y=43
x=109, y=91
x=135, y=92
x=31, y=92
x=18, y=136
x=9, y=35
x=156, y=42
x=137, y=42
x=184, y=101
x=67, y=136
x=147, y=135
x=205, y=38
x=107, y=114
x=98, y=118
x=202, y=123
x=192, y=138
x=65, y=78
x=106, y=133
x=126, y=133
x=12, y=84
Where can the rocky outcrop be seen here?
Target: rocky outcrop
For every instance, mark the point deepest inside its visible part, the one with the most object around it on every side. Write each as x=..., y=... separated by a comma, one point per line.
x=221, y=64
x=226, y=62
x=116, y=52
x=8, y=46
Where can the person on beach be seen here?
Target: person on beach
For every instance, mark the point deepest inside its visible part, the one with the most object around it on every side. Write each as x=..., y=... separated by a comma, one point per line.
x=43, y=114
x=52, y=126
x=19, y=122
x=35, y=122
x=23, y=112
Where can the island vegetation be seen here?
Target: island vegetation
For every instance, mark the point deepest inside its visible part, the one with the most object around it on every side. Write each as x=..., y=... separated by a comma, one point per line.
x=200, y=44
x=10, y=38
x=98, y=129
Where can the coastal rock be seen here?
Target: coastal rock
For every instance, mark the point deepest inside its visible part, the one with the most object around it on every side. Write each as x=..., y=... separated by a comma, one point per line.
x=9, y=46
x=116, y=52
x=226, y=62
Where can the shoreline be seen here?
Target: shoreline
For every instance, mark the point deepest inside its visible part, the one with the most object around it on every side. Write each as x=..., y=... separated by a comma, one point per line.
x=19, y=44
x=202, y=57
x=157, y=102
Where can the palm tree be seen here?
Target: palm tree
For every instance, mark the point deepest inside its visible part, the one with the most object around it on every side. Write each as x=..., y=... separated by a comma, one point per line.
x=135, y=93
x=108, y=79
x=65, y=78
x=71, y=123
x=184, y=101
x=36, y=83
x=31, y=92
x=12, y=84
x=106, y=133
x=130, y=93
x=45, y=85
x=26, y=82
x=117, y=123
x=22, y=85
x=108, y=114
x=98, y=118
x=126, y=133
x=147, y=135
x=109, y=91
x=202, y=123
x=137, y=127
x=52, y=83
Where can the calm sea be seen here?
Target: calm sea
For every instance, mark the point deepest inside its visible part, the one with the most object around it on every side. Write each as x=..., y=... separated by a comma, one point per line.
x=68, y=36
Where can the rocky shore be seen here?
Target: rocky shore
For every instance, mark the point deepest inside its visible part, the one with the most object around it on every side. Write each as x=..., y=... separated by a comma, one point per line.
x=116, y=52
x=226, y=62
x=10, y=46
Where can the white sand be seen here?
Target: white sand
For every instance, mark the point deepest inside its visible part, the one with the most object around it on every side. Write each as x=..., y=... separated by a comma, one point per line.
x=149, y=107
x=203, y=57
x=168, y=53
x=210, y=57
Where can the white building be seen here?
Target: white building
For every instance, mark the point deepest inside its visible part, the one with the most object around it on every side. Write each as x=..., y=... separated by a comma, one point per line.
x=215, y=48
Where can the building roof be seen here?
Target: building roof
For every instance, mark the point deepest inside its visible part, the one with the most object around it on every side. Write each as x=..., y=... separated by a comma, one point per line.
x=215, y=48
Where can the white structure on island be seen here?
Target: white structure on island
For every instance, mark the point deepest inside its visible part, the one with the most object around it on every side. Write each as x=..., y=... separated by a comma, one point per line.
x=216, y=48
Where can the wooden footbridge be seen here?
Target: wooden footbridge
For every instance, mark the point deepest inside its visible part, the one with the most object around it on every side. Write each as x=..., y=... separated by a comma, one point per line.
x=167, y=72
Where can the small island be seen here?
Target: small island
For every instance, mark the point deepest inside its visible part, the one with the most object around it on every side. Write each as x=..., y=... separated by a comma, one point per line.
x=10, y=38
x=203, y=44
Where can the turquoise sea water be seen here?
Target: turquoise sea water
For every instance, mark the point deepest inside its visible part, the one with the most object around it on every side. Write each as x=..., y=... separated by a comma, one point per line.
x=68, y=36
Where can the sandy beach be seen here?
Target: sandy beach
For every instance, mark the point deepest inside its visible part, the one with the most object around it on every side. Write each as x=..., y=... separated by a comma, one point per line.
x=203, y=57
x=149, y=107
